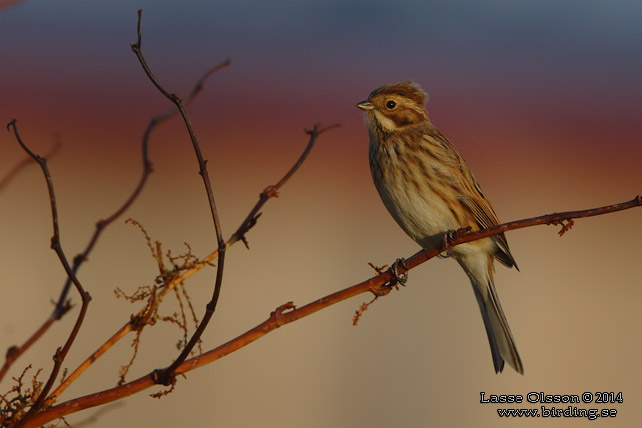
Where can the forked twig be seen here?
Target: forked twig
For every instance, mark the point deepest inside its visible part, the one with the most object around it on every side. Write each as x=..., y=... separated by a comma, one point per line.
x=131, y=325
x=60, y=353
x=272, y=191
x=166, y=376
x=63, y=304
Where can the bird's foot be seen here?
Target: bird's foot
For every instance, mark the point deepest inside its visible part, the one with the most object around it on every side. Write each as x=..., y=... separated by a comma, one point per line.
x=397, y=277
x=447, y=239
x=445, y=244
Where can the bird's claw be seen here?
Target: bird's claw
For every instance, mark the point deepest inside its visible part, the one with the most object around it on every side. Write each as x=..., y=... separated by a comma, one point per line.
x=398, y=278
x=445, y=243
x=448, y=237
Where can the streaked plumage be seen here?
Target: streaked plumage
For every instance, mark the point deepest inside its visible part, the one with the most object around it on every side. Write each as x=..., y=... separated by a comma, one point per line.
x=428, y=189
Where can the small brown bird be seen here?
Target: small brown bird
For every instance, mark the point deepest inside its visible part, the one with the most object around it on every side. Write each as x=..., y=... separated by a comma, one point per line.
x=429, y=189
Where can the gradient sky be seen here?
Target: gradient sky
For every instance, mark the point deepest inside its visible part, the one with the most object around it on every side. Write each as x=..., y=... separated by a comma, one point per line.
x=543, y=98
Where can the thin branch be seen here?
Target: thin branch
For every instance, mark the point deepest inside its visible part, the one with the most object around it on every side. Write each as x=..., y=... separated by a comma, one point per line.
x=63, y=304
x=14, y=352
x=122, y=332
x=166, y=376
x=61, y=353
x=272, y=191
x=142, y=317
x=28, y=160
x=144, y=314
x=287, y=313
x=147, y=169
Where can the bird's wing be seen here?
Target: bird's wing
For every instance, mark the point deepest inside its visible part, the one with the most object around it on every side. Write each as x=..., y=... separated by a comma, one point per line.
x=486, y=218
x=474, y=199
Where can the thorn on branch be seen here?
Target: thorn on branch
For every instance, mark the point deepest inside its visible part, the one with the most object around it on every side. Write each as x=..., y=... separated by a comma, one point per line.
x=566, y=224
x=271, y=192
x=377, y=269
x=57, y=355
x=276, y=315
x=245, y=227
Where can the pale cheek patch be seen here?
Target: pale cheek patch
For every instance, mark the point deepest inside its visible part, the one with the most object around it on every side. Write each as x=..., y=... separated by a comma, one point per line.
x=386, y=123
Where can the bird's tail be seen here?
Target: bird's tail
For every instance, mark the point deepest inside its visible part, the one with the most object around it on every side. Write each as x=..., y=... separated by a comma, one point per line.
x=500, y=338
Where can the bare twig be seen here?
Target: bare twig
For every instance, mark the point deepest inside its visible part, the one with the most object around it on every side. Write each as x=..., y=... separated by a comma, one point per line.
x=122, y=332
x=63, y=304
x=287, y=313
x=28, y=160
x=166, y=376
x=61, y=353
x=272, y=191
x=145, y=313
x=14, y=352
x=179, y=279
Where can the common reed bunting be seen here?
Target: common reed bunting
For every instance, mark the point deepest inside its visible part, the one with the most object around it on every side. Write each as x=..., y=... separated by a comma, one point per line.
x=429, y=189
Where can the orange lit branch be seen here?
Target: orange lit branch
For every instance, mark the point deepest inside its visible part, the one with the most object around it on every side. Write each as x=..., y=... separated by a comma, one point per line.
x=63, y=304
x=287, y=313
x=244, y=227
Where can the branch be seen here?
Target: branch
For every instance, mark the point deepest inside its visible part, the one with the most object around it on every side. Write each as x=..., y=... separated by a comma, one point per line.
x=28, y=160
x=166, y=376
x=61, y=353
x=14, y=352
x=272, y=191
x=287, y=313
x=145, y=313
x=63, y=305
x=140, y=319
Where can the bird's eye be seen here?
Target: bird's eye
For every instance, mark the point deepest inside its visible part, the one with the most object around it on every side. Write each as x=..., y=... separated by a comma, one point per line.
x=390, y=104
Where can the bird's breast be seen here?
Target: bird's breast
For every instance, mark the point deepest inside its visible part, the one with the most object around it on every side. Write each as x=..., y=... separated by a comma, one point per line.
x=423, y=207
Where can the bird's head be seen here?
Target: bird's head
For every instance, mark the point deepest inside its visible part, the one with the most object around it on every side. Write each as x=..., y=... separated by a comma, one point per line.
x=391, y=108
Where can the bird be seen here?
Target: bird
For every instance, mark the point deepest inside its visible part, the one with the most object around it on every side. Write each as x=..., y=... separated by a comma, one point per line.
x=429, y=190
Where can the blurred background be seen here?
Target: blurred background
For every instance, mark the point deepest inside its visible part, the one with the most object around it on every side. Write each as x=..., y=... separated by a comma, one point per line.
x=543, y=98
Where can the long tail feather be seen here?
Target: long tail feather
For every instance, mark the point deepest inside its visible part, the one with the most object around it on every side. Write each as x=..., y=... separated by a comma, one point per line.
x=500, y=338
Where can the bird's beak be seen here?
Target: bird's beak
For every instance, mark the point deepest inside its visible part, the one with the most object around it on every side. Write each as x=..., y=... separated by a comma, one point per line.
x=365, y=105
